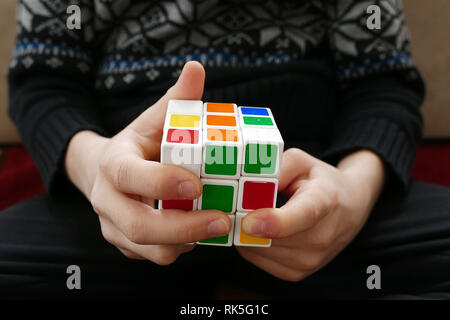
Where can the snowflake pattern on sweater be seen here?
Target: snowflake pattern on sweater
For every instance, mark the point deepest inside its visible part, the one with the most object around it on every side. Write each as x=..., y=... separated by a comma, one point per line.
x=124, y=42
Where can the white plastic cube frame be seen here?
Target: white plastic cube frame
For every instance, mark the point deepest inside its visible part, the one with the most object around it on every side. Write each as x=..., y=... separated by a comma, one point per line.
x=243, y=125
x=237, y=233
x=263, y=136
x=241, y=190
x=186, y=155
x=185, y=107
x=238, y=144
x=223, y=113
x=230, y=235
x=222, y=182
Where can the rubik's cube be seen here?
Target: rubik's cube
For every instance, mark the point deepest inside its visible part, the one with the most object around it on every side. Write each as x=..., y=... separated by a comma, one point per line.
x=237, y=154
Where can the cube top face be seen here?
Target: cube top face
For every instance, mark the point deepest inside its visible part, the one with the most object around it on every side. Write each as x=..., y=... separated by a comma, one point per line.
x=257, y=193
x=212, y=107
x=224, y=135
x=219, y=195
x=184, y=120
x=186, y=136
x=185, y=107
x=219, y=120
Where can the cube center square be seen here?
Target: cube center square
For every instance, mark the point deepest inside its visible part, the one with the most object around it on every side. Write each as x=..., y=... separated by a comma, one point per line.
x=220, y=120
x=187, y=136
x=185, y=120
x=212, y=107
x=221, y=160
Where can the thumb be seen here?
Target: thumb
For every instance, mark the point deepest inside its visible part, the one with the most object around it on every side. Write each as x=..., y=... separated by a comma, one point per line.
x=189, y=86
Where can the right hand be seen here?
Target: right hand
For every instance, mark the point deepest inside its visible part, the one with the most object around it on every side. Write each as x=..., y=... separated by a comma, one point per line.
x=122, y=177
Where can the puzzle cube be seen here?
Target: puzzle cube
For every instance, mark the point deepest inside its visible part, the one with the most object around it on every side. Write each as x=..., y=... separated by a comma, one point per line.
x=236, y=150
x=243, y=239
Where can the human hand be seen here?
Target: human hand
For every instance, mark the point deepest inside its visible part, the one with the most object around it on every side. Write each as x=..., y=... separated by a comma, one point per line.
x=121, y=177
x=327, y=208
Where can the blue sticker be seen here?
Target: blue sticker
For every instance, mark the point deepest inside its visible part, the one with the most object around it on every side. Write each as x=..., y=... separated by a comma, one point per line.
x=255, y=111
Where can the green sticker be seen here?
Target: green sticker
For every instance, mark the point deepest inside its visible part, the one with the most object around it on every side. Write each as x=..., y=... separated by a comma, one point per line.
x=260, y=158
x=218, y=197
x=261, y=121
x=216, y=240
x=221, y=160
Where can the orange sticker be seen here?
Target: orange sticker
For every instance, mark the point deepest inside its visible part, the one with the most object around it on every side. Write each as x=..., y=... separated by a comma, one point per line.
x=226, y=121
x=220, y=107
x=222, y=135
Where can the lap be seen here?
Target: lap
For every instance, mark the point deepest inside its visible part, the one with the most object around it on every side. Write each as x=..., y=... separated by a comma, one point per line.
x=408, y=237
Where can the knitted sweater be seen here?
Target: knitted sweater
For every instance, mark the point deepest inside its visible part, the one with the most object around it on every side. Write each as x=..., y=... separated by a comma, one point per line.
x=334, y=85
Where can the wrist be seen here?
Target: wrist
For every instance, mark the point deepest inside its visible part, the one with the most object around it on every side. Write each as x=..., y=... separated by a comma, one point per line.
x=82, y=157
x=366, y=170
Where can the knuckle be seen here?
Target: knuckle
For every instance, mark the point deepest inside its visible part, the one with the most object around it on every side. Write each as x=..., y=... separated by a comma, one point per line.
x=323, y=240
x=312, y=263
x=295, y=276
x=165, y=256
x=121, y=173
x=133, y=231
x=96, y=202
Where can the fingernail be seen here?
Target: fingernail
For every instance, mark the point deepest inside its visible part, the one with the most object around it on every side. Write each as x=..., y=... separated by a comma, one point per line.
x=187, y=189
x=217, y=227
x=254, y=226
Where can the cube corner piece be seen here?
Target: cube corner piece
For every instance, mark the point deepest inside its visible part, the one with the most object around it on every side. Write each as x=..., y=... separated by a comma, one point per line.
x=222, y=241
x=243, y=239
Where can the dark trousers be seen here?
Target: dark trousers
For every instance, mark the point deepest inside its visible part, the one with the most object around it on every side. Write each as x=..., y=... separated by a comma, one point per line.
x=407, y=236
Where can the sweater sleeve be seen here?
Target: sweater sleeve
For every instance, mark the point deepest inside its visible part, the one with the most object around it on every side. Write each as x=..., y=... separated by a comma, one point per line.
x=380, y=90
x=50, y=84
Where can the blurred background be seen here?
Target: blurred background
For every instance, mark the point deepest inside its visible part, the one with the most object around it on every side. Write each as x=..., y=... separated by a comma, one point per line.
x=429, y=25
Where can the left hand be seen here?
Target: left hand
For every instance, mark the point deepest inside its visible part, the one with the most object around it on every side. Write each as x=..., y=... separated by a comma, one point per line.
x=327, y=208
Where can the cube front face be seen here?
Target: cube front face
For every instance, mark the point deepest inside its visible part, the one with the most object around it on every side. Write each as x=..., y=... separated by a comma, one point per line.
x=237, y=153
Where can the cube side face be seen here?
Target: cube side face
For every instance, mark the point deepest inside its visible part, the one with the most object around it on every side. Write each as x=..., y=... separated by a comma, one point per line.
x=224, y=241
x=243, y=239
x=262, y=152
x=219, y=194
x=256, y=193
x=185, y=107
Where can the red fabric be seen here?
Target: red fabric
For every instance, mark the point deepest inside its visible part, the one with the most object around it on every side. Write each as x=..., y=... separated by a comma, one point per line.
x=433, y=164
x=20, y=180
